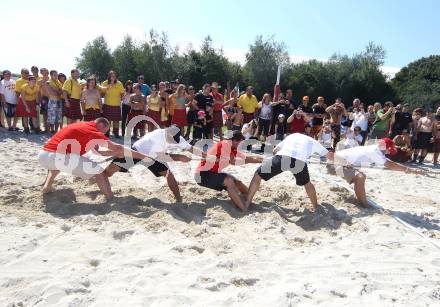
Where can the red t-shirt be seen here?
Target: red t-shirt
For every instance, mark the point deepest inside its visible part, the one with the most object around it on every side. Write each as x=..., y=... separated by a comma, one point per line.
x=217, y=96
x=223, y=150
x=298, y=125
x=76, y=138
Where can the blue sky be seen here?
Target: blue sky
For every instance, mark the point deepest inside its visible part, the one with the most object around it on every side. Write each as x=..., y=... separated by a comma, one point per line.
x=52, y=33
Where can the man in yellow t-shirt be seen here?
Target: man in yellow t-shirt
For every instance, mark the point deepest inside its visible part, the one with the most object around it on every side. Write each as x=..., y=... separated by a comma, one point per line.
x=248, y=102
x=20, y=82
x=114, y=91
x=72, y=95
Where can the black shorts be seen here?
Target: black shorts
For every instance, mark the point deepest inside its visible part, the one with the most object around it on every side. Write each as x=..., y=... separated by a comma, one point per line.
x=273, y=167
x=423, y=140
x=211, y=180
x=10, y=109
x=337, y=132
x=191, y=116
x=156, y=168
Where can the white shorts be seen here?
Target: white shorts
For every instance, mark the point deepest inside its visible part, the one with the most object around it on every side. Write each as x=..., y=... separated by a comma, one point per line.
x=70, y=163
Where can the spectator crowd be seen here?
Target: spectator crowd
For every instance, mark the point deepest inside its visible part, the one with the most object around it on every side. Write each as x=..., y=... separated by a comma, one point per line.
x=46, y=100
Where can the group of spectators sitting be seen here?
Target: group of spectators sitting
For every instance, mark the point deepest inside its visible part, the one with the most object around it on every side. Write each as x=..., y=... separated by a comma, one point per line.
x=48, y=99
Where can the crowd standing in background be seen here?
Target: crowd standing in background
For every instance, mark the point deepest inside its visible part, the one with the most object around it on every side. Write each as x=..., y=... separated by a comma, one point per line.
x=45, y=100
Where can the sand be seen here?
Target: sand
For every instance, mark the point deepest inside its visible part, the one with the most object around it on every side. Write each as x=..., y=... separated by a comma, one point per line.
x=72, y=248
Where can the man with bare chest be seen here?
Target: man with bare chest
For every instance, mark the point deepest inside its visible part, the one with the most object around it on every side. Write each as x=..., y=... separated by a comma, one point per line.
x=336, y=111
x=423, y=137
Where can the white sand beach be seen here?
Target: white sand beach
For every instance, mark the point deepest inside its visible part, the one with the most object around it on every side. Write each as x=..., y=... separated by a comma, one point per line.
x=72, y=248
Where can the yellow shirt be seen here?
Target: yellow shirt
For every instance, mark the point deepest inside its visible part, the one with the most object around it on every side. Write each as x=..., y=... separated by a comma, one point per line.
x=113, y=94
x=153, y=103
x=73, y=88
x=249, y=105
x=19, y=84
x=29, y=93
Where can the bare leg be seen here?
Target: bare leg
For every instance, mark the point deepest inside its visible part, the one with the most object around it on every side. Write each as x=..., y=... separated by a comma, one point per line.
x=14, y=122
x=435, y=158
x=311, y=193
x=104, y=185
x=253, y=188
x=233, y=193
x=36, y=123
x=25, y=122
x=359, y=189
x=8, y=121
x=242, y=188
x=46, y=125
x=51, y=174
x=173, y=185
x=111, y=169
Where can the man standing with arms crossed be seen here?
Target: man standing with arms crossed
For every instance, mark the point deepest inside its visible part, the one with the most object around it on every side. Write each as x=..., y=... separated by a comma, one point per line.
x=72, y=95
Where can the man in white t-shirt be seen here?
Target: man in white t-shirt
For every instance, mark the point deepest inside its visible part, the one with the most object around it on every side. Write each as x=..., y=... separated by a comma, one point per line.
x=366, y=156
x=157, y=143
x=9, y=100
x=291, y=155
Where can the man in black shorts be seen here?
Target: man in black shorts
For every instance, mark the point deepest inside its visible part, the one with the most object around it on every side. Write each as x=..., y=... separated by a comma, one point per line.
x=155, y=145
x=290, y=155
x=220, y=156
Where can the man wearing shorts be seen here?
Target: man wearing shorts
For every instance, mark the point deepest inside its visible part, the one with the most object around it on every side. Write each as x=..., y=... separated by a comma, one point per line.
x=64, y=152
x=55, y=105
x=336, y=111
x=208, y=173
x=423, y=137
x=365, y=156
x=155, y=144
x=9, y=100
x=290, y=155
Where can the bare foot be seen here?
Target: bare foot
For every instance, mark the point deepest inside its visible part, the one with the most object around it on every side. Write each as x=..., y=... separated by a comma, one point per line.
x=46, y=190
x=179, y=200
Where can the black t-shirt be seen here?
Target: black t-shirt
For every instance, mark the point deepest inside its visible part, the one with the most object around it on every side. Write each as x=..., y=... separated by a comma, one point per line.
x=281, y=108
x=403, y=119
x=306, y=109
x=317, y=109
x=203, y=100
x=292, y=103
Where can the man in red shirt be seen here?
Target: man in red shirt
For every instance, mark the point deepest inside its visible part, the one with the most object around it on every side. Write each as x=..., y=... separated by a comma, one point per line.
x=65, y=152
x=219, y=157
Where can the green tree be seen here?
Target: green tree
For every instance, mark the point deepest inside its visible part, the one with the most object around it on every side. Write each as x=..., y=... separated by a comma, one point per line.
x=342, y=76
x=262, y=62
x=418, y=83
x=96, y=59
x=124, y=59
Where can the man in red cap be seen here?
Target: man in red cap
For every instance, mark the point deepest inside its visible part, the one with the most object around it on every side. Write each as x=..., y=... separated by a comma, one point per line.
x=365, y=156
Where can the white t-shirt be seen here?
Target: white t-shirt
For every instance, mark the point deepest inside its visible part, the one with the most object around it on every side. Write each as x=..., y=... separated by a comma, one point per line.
x=363, y=155
x=352, y=140
x=7, y=89
x=361, y=120
x=155, y=142
x=326, y=140
x=247, y=135
x=300, y=147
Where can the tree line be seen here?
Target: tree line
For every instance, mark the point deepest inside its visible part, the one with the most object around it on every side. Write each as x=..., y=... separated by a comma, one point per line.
x=348, y=77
